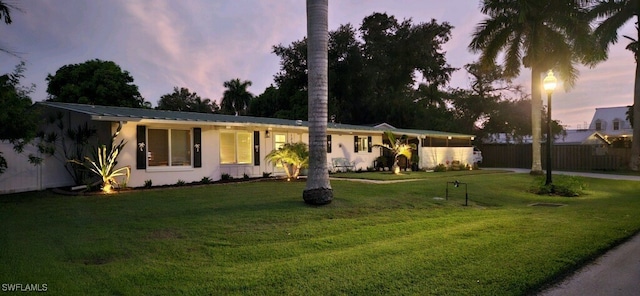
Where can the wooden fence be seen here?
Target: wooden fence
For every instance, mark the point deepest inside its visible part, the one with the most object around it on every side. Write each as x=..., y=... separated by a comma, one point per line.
x=564, y=157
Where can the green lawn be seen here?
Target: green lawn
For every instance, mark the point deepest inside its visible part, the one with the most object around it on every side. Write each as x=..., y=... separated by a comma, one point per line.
x=260, y=238
x=409, y=175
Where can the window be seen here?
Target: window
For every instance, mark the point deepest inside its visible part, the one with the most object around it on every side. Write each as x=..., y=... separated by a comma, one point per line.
x=616, y=125
x=362, y=144
x=169, y=147
x=598, y=125
x=279, y=140
x=236, y=147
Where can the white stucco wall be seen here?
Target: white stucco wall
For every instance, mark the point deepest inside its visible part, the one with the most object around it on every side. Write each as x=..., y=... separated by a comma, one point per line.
x=170, y=175
x=342, y=146
x=430, y=157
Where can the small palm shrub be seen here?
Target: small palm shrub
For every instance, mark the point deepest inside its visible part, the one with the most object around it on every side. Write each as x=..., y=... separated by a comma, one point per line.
x=148, y=183
x=225, y=177
x=292, y=157
x=181, y=183
x=205, y=180
x=104, y=164
x=397, y=148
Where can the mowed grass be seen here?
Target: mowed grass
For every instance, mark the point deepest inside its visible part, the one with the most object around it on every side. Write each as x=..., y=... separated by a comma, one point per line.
x=409, y=175
x=260, y=238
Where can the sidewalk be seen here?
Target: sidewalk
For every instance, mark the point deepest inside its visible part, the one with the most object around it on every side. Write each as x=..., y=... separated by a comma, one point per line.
x=617, y=272
x=583, y=174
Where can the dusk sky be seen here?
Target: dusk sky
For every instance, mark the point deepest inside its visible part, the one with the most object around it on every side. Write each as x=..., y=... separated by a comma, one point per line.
x=199, y=44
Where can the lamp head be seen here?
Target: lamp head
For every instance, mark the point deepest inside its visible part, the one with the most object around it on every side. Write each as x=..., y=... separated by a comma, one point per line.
x=550, y=82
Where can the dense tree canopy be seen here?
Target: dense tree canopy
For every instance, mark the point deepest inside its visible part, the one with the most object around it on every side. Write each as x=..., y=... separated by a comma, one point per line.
x=18, y=120
x=94, y=82
x=373, y=73
x=396, y=72
x=183, y=100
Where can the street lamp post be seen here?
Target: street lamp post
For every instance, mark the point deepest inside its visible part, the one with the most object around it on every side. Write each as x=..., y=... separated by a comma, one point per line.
x=549, y=84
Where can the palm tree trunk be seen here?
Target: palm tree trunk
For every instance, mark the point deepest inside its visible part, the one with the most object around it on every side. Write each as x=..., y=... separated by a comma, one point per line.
x=318, y=189
x=634, y=163
x=536, y=120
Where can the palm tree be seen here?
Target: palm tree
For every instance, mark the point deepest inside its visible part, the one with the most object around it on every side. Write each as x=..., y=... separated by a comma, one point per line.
x=236, y=98
x=5, y=16
x=5, y=12
x=614, y=15
x=397, y=148
x=292, y=157
x=539, y=35
x=318, y=189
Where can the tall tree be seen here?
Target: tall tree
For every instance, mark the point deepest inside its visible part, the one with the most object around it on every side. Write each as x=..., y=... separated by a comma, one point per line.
x=614, y=14
x=539, y=35
x=183, y=100
x=18, y=121
x=373, y=71
x=94, y=82
x=236, y=98
x=318, y=190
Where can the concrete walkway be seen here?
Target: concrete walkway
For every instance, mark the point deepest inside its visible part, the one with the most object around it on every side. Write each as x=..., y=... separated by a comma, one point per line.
x=590, y=175
x=617, y=272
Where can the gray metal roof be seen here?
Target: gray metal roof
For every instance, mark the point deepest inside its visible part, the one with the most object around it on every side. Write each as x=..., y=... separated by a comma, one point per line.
x=111, y=113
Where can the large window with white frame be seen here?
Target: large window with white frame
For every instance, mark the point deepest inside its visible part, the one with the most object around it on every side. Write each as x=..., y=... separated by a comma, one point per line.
x=236, y=147
x=169, y=147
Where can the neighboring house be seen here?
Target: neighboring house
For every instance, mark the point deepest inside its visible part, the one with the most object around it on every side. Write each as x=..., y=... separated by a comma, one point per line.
x=613, y=125
x=581, y=137
x=167, y=146
x=608, y=128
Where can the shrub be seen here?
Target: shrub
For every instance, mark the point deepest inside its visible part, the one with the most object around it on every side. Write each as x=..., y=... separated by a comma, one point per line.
x=245, y=176
x=266, y=175
x=381, y=162
x=440, y=168
x=569, y=186
x=205, y=180
x=292, y=157
x=181, y=183
x=225, y=177
x=148, y=183
x=104, y=162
